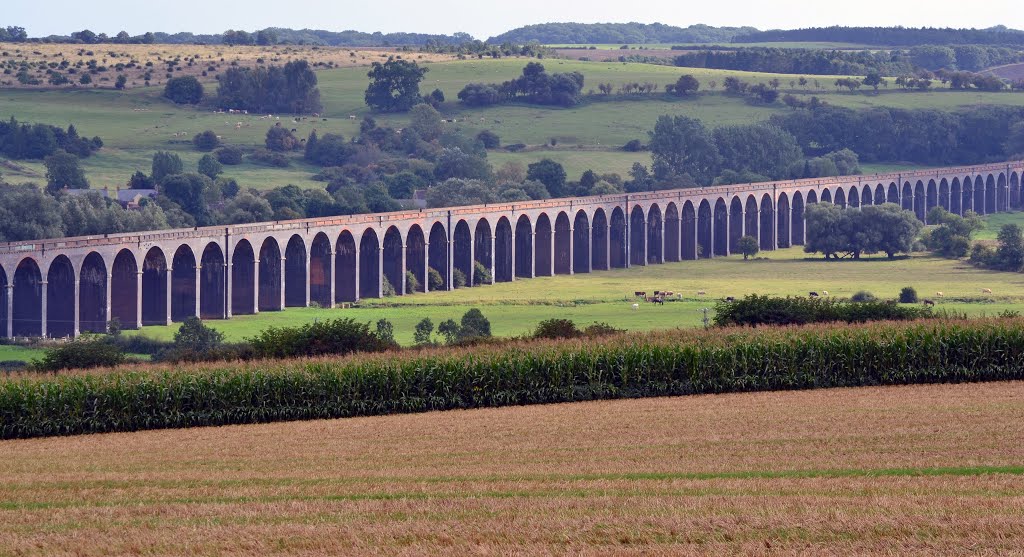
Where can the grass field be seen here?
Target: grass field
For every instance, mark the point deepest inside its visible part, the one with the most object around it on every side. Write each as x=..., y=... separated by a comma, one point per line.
x=852, y=471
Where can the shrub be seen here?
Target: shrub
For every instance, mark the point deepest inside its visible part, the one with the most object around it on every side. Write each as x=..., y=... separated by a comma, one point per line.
x=755, y=310
x=206, y=141
x=423, y=332
x=633, y=146
x=229, y=155
x=749, y=246
x=601, y=330
x=863, y=296
x=331, y=336
x=184, y=90
x=474, y=325
x=387, y=287
x=458, y=278
x=481, y=274
x=412, y=284
x=556, y=328
x=269, y=158
x=908, y=295
x=489, y=139
x=80, y=354
x=434, y=279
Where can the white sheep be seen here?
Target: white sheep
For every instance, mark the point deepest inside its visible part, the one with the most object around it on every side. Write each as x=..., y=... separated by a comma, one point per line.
x=636, y=306
x=939, y=294
x=824, y=292
x=986, y=290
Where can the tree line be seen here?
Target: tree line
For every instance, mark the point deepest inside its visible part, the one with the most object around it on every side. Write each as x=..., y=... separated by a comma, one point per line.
x=618, y=33
x=535, y=86
x=888, y=36
x=37, y=141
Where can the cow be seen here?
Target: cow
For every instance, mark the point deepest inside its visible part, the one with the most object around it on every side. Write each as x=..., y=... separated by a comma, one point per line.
x=986, y=290
x=640, y=294
x=813, y=294
x=929, y=303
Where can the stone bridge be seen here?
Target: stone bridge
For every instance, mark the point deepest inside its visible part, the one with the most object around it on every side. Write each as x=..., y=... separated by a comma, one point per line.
x=63, y=287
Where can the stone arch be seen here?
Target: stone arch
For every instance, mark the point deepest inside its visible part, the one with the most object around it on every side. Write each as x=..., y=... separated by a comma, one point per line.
x=783, y=224
x=563, y=248
x=346, y=268
x=879, y=194
x=655, y=235
x=752, y=222
x=956, y=199
x=894, y=194
x=767, y=215
x=295, y=265
x=1002, y=194
x=671, y=232
x=369, y=265
x=416, y=256
x=826, y=196
x=3, y=302
x=797, y=222
x=852, y=198
x=92, y=295
x=967, y=193
x=503, y=249
x=543, y=236
x=599, y=240
x=907, y=197
x=637, y=236
x=980, y=206
x=812, y=197
x=270, y=275
x=840, y=198
x=394, y=271
x=524, y=247
x=919, y=200
x=124, y=290
x=736, y=223
x=60, y=298
x=866, y=197
x=154, y=287
x=320, y=270
x=721, y=224
x=243, y=279
x=437, y=252
x=990, y=195
x=689, y=234
x=617, y=237
x=705, y=229
x=1015, y=197
x=27, y=299
x=211, y=283
x=581, y=243
x=462, y=252
x=482, y=247
x=183, y=284
x=944, y=197
x=931, y=197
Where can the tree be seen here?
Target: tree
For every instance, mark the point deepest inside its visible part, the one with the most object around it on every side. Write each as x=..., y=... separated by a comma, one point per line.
x=489, y=139
x=1010, y=253
x=64, y=171
x=951, y=235
x=889, y=228
x=385, y=330
x=165, y=164
x=120, y=82
x=749, y=247
x=424, y=332
x=139, y=181
x=549, y=173
x=758, y=148
x=908, y=295
x=685, y=86
x=208, y=166
x=292, y=88
x=280, y=139
x=682, y=146
x=246, y=208
x=206, y=140
x=229, y=155
x=194, y=336
x=394, y=85
x=190, y=192
x=27, y=213
x=825, y=233
x=874, y=79
x=426, y=121
x=184, y=90
x=456, y=192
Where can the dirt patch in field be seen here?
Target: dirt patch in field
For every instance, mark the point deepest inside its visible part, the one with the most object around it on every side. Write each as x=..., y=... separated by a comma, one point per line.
x=1012, y=72
x=921, y=469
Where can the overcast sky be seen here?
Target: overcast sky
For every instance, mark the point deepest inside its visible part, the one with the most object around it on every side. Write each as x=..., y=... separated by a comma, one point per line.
x=483, y=19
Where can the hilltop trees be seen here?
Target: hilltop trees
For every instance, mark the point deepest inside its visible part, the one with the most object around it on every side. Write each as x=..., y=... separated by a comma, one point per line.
x=292, y=89
x=394, y=85
x=535, y=86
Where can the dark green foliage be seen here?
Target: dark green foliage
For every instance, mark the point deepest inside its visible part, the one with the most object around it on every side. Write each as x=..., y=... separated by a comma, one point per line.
x=80, y=354
x=619, y=33
x=281, y=139
x=1010, y=253
x=683, y=146
x=908, y=295
x=331, y=336
x=394, y=85
x=424, y=331
x=412, y=284
x=535, y=86
x=863, y=296
x=458, y=278
x=489, y=139
x=165, y=164
x=749, y=246
x=798, y=61
x=206, y=141
x=762, y=149
x=549, y=173
x=386, y=331
x=888, y=36
x=481, y=274
x=64, y=171
x=685, y=86
x=832, y=230
x=184, y=90
x=754, y=310
x=229, y=155
x=557, y=328
x=435, y=281
x=292, y=89
x=209, y=167
x=630, y=367
x=474, y=325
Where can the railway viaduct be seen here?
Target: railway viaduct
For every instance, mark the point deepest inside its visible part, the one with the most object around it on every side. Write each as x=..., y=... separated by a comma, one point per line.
x=64, y=287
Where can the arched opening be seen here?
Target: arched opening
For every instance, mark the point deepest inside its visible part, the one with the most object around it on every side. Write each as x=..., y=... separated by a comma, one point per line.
x=767, y=223
x=27, y=300
x=463, y=252
x=840, y=199
x=931, y=197
x=211, y=283
x=879, y=194
x=320, y=275
x=599, y=240
x=270, y=276
x=826, y=196
x=1002, y=194
x=243, y=279
x=563, y=248
x=437, y=252
x=783, y=232
x=919, y=200
x=581, y=243
x=705, y=229
x=482, y=246
x=655, y=240
x=124, y=290
x=721, y=223
x=393, y=269
x=866, y=196
x=295, y=272
x=907, y=197
x=671, y=232
x=852, y=199
x=689, y=235
x=60, y=298
x=3, y=303
x=345, y=268
x=524, y=247
x=542, y=247
x=944, y=194
x=990, y=195
x=797, y=222
x=154, y=287
x=812, y=197
x=752, y=219
x=369, y=265
x=617, y=237
x=1015, y=201
x=956, y=198
x=637, y=237
x=979, y=196
x=183, y=284
x=92, y=295
x=416, y=256
x=894, y=194
x=503, y=249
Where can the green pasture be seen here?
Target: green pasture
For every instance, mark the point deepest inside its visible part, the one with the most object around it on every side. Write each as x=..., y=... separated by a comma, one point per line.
x=10, y=353
x=663, y=46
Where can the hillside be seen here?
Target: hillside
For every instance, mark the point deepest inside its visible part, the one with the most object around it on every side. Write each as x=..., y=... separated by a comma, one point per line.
x=623, y=33
x=889, y=36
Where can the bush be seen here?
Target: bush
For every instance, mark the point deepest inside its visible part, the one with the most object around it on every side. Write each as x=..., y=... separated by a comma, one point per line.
x=80, y=354
x=331, y=336
x=557, y=328
x=474, y=325
x=481, y=274
x=489, y=139
x=755, y=310
x=206, y=141
x=387, y=287
x=601, y=330
x=908, y=295
x=412, y=284
x=458, y=278
x=229, y=155
x=184, y=90
x=269, y=158
x=434, y=279
x=633, y=146
x=863, y=296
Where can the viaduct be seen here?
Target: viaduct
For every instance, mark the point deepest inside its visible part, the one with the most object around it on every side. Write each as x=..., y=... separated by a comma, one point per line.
x=63, y=287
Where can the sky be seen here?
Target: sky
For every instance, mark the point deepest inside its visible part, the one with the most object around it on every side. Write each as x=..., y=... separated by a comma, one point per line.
x=484, y=19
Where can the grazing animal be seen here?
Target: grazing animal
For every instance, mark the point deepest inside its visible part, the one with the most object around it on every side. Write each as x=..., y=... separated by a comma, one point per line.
x=640, y=294
x=986, y=290
x=824, y=292
x=730, y=299
x=701, y=292
x=939, y=295
x=636, y=306
x=656, y=300
x=813, y=294
x=929, y=303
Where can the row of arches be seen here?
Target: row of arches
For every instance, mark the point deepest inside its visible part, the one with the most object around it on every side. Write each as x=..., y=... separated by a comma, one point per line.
x=158, y=287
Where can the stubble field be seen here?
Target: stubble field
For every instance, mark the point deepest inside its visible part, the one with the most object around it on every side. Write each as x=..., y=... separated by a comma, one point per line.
x=924, y=469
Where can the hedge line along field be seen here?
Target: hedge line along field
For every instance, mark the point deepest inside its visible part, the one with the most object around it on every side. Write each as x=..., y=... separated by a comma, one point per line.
x=681, y=362
x=928, y=470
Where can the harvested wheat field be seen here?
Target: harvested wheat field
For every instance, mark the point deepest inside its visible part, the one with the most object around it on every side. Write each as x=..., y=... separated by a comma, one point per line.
x=924, y=469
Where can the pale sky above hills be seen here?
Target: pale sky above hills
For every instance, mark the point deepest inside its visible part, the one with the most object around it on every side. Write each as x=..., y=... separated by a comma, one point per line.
x=484, y=19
